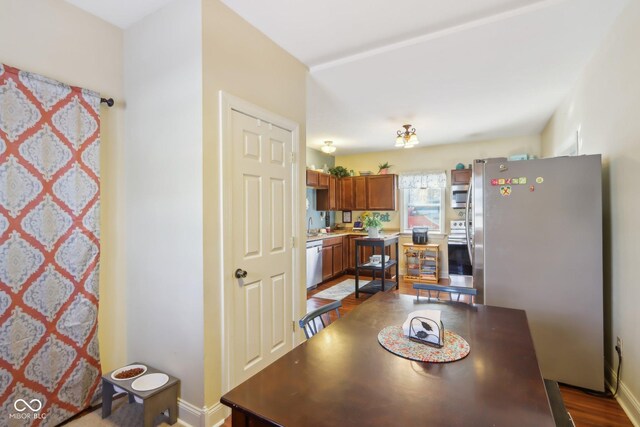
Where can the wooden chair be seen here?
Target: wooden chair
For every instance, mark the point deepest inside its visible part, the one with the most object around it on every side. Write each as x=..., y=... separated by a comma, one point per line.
x=446, y=289
x=308, y=322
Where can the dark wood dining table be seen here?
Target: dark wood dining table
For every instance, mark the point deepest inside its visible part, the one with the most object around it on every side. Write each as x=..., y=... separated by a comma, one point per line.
x=343, y=377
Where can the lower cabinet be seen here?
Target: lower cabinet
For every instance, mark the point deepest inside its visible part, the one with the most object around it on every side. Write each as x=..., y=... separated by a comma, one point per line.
x=332, y=257
x=327, y=262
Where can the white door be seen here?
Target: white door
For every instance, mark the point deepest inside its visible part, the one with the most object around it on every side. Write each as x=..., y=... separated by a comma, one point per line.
x=261, y=241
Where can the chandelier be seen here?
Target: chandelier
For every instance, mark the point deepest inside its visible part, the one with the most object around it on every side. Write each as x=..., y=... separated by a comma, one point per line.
x=328, y=147
x=407, y=138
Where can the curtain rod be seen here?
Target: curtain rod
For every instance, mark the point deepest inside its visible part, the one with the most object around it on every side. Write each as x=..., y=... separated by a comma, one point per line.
x=108, y=101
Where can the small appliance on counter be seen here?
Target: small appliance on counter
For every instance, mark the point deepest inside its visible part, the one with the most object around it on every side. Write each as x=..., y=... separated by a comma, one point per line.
x=420, y=235
x=357, y=226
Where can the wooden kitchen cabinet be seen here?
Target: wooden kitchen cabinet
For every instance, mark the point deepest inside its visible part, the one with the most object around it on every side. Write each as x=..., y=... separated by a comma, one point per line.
x=332, y=257
x=345, y=202
x=356, y=193
x=327, y=262
x=328, y=200
x=337, y=259
x=360, y=193
x=381, y=192
x=460, y=176
x=312, y=178
x=345, y=253
x=323, y=180
x=317, y=179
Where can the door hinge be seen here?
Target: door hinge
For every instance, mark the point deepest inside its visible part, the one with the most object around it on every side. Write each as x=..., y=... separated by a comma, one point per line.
x=293, y=326
x=293, y=241
x=292, y=156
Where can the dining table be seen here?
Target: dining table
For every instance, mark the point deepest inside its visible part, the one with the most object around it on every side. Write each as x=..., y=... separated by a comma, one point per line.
x=342, y=376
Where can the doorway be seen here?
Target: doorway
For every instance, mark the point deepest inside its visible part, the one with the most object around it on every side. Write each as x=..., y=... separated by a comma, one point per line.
x=260, y=214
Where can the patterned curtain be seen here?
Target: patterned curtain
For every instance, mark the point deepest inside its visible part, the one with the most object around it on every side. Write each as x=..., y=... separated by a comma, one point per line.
x=49, y=248
x=417, y=180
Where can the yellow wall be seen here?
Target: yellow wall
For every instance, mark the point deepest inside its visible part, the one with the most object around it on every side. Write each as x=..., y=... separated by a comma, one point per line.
x=57, y=40
x=437, y=158
x=605, y=103
x=240, y=60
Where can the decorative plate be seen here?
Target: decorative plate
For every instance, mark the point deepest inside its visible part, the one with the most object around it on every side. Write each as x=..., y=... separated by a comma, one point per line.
x=393, y=339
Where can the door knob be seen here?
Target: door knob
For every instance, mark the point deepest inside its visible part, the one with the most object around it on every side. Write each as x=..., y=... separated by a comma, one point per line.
x=240, y=274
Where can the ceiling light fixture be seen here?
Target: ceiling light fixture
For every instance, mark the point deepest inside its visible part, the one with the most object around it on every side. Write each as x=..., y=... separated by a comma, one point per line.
x=328, y=147
x=407, y=138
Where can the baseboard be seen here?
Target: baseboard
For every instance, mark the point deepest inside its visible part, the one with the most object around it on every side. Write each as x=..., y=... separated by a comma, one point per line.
x=188, y=414
x=629, y=403
x=216, y=414
x=191, y=416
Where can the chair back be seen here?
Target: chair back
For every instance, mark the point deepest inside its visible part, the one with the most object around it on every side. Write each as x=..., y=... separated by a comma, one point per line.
x=309, y=323
x=451, y=290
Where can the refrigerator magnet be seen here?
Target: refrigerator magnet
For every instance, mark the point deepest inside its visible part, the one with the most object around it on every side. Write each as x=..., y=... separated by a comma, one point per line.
x=501, y=181
x=532, y=188
x=494, y=182
x=523, y=180
x=539, y=180
x=505, y=190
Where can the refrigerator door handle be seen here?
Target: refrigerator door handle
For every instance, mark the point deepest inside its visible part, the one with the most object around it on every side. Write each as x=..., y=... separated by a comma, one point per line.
x=466, y=221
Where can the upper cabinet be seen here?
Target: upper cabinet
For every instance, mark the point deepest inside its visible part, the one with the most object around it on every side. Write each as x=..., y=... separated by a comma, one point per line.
x=323, y=180
x=460, y=176
x=381, y=192
x=329, y=199
x=312, y=178
x=346, y=194
x=360, y=193
x=354, y=193
x=317, y=179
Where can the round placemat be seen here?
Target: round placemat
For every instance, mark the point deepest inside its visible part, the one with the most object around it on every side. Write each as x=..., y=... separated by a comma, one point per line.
x=393, y=339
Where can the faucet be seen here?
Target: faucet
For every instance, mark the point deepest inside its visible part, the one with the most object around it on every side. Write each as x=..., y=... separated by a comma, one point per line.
x=309, y=223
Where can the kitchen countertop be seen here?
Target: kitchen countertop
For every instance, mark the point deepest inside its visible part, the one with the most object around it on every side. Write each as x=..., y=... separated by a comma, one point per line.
x=349, y=233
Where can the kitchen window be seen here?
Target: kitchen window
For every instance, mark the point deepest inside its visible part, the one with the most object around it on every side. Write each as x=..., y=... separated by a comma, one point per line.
x=422, y=200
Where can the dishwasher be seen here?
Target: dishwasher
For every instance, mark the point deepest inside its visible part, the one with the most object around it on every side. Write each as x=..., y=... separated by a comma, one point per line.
x=314, y=263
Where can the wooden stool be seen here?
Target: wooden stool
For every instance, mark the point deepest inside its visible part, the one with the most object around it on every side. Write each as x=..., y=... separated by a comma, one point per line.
x=154, y=401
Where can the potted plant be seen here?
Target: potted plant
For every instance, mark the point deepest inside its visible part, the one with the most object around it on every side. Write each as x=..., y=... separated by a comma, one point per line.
x=339, y=172
x=383, y=168
x=373, y=225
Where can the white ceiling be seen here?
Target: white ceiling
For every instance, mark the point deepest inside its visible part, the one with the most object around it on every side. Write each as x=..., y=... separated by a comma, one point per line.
x=121, y=13
x=458, y=71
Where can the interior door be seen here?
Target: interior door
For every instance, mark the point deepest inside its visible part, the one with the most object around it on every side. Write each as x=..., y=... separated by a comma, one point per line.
x=261, y=218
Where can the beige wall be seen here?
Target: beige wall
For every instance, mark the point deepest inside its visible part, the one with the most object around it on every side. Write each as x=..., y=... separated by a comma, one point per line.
x=436, y=158
x=241, y=61
x=605, y=103
x=57, y=40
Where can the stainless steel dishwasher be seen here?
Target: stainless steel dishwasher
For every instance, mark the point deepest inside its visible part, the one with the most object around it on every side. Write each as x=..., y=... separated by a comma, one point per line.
x=314, y=263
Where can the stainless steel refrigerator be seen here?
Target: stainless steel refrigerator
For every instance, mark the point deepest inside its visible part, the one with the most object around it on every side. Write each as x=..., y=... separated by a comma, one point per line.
x=536, y=245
